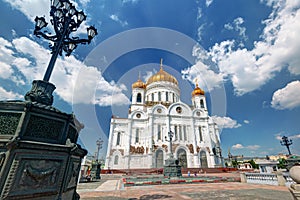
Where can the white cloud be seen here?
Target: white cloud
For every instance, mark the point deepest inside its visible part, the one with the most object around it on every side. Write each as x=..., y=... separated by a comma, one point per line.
x=33, y=8
x=253, y=147
x=237, y=26
x=246, y=121
x=117, y=19
x=208, y=2
x=9, y=95
x=32, y=61
x=295, y=136
x=238, y=146
x=287, y=97
x=5, y=70
x=278, y=136
x=279, y=47
x=205, y=76
x=129, y=1
x=226, y=122
x=249, y=147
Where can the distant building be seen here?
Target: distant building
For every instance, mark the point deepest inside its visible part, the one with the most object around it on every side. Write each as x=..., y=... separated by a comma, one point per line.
x=267, y=166
x=141, y=140
x=277, y=157
x=245, y=166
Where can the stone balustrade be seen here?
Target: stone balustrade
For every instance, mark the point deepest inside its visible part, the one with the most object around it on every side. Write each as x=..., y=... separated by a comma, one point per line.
x=278, y=178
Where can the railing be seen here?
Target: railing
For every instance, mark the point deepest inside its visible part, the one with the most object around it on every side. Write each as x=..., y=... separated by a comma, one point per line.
x=288, y=179
x=267, y=178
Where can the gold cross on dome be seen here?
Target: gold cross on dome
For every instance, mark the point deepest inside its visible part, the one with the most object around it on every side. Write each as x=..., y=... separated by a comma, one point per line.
x=196, y=81
x=161, y=61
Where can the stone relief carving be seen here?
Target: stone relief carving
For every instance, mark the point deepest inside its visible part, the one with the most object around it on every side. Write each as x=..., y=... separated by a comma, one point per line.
x=37, y=173
x=137, y=150
x=112, y=152
x=191, y=148
x=122, y=151
x=174, y=146
x=208, y=149
x=165, y=147
x=155, y=147
x=198, y=149
x=74, y=170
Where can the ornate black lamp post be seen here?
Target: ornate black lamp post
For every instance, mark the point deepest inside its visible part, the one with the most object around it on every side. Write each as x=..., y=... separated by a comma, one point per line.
x=65, y=19
x=286, y=142
x=171, y=167
x=41, y=139
x=170, y=134
x=99, y=146
x=96, y=165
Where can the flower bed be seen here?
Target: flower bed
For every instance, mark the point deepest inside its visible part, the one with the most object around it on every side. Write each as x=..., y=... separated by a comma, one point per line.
x=137, y=181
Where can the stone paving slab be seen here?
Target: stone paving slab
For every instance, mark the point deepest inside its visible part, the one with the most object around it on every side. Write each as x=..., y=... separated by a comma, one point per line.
x=218, y=191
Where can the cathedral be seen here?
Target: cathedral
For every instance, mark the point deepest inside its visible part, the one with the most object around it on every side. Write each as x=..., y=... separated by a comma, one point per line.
x=141, y=141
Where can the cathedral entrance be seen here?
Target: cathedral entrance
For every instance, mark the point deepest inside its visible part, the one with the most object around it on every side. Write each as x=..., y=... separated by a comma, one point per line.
x=181, y=155
x=203, y=159
x=159, y=159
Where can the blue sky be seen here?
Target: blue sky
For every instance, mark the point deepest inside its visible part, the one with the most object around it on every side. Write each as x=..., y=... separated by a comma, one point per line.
x=244, y=54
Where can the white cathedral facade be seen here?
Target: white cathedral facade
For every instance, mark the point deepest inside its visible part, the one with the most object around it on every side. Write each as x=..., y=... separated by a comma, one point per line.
x=141, y=141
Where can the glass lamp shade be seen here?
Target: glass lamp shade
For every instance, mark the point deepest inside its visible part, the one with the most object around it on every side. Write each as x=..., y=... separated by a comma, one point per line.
x=67, y=5
x=58, y=13
x=40, y=22
x=92, y=31
x=56, y=3
x=72, y=10
x=71, y=47
x=80, y=17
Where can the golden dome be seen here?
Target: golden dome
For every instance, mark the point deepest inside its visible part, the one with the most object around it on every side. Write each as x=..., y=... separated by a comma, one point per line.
x=139, y=84
x=197, y=91
x=162, y=76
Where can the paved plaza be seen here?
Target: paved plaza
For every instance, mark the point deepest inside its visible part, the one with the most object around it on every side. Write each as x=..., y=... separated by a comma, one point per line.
x=109, y=188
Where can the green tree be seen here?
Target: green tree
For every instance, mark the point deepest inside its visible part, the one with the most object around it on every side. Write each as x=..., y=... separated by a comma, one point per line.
x=282, y=163
x=254, y=165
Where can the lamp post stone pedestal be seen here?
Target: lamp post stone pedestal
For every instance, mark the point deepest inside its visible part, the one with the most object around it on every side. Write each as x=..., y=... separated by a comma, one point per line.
x=39, y=157
x=172, y=167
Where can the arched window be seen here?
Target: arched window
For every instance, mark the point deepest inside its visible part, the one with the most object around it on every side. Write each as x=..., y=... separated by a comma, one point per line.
x=139, y=98
x=203, y=159
x=152, y=96
x=118, y=138
x=176, y=132
x=202, y=103
x=158, y=132
x=159, y=96
x=184, y=133
x=167, y=96
x=116, y=161
x=173, y=97
x=137, y=138
x=180, y=132
x=200, y=133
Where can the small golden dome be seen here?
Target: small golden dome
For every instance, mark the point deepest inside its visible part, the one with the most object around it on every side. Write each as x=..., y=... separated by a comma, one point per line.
x=197, y=91
x=139, y=84
x=162, y=76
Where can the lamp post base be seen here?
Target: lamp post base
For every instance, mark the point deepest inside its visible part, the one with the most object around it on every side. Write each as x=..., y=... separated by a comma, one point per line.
x=41, y=92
